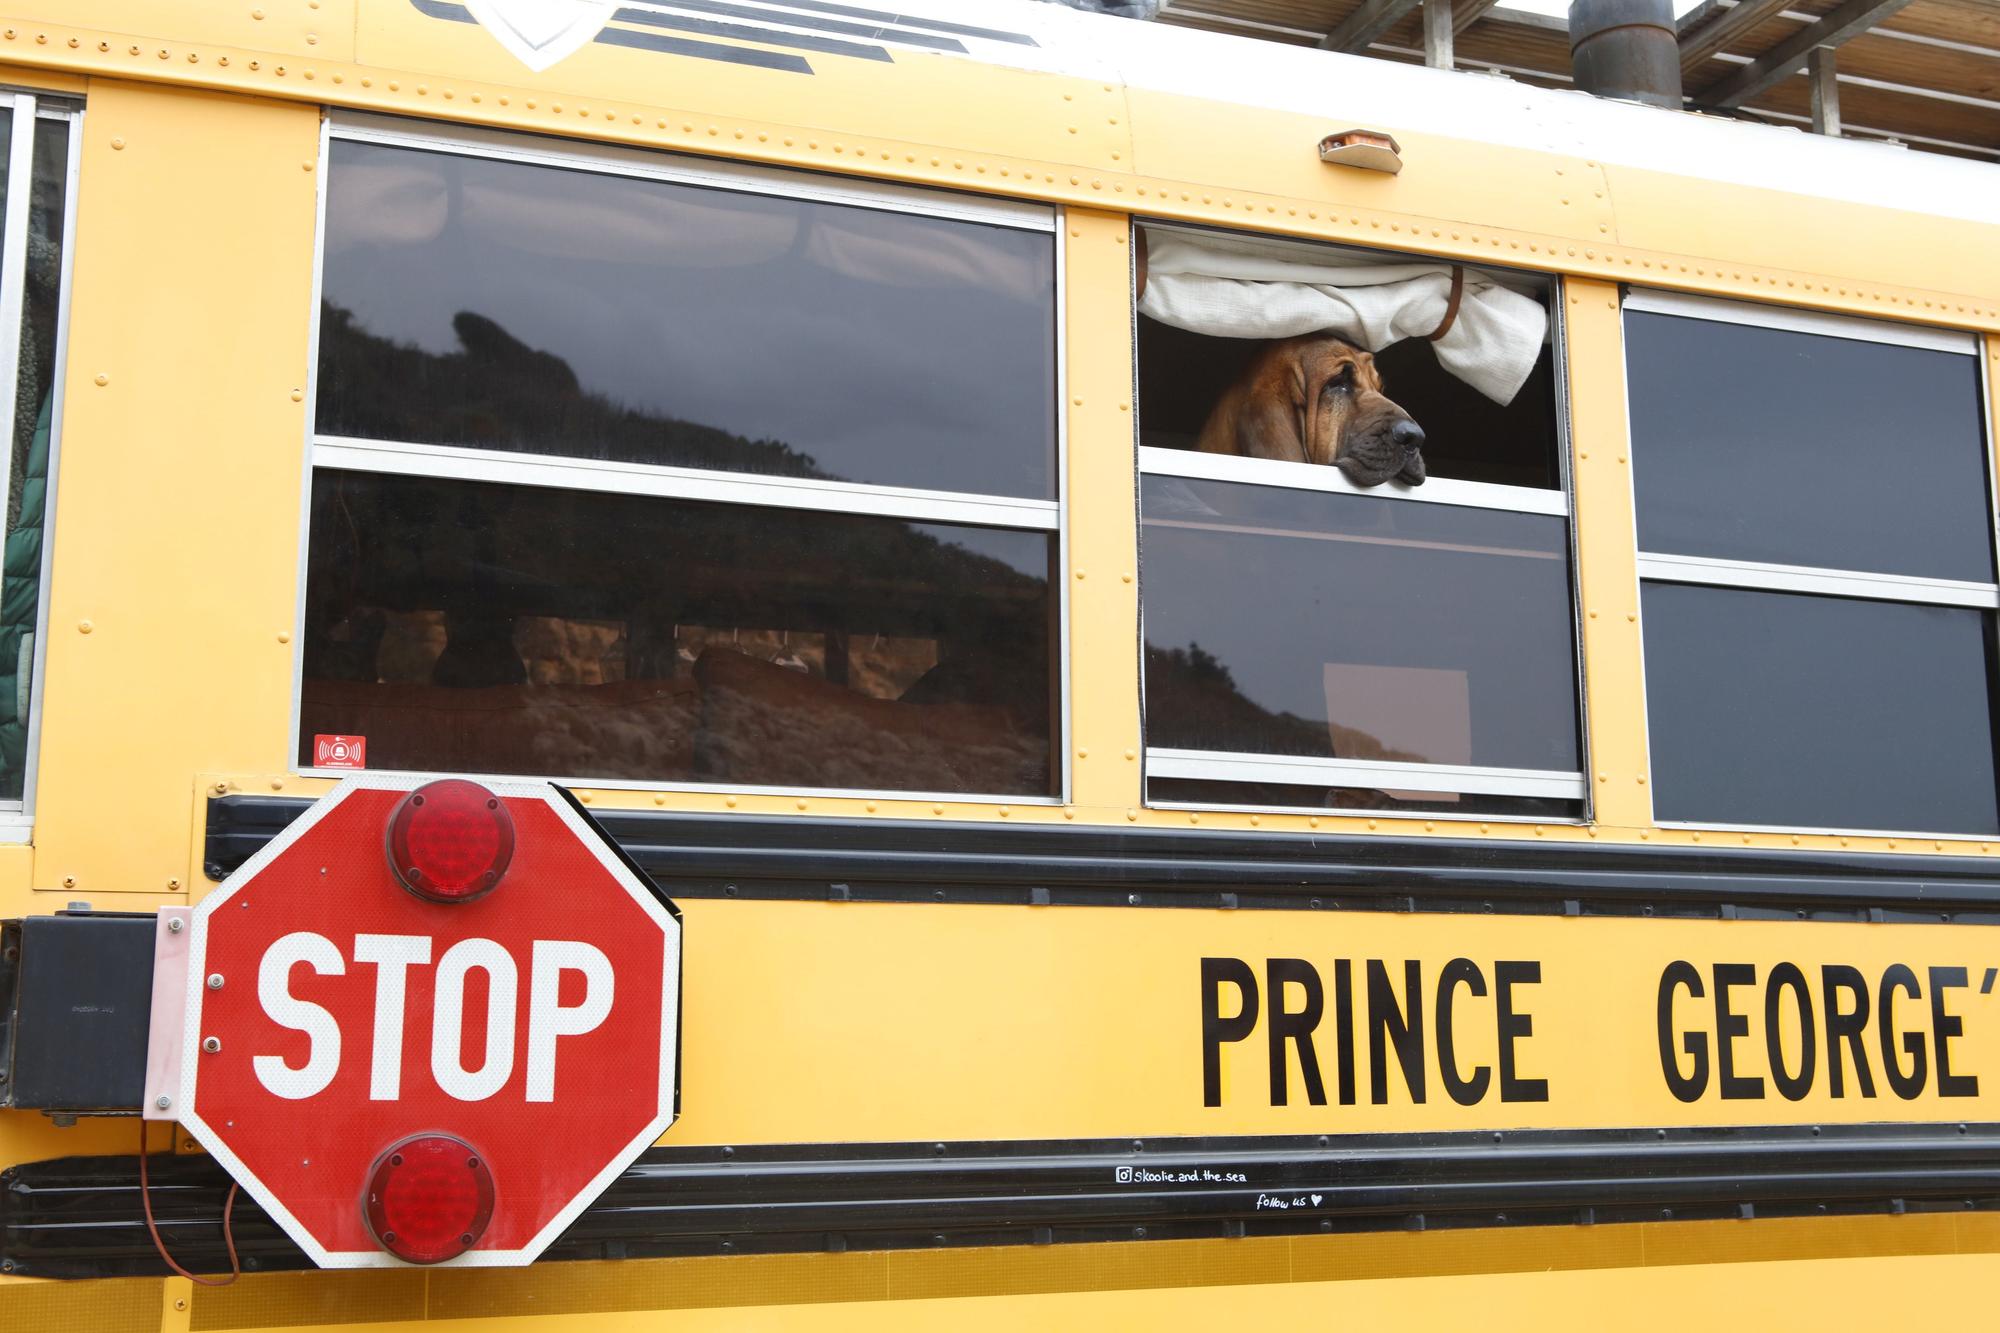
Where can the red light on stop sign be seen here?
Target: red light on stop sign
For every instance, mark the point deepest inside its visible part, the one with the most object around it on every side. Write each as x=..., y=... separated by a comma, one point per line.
x=429, y=1198
x=450, y=841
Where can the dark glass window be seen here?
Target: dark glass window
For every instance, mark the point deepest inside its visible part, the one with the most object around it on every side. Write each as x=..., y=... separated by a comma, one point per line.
x=1301, y=623
x=629, y=624
x=527, y=630
x=507, y=305
x=1782, y=447
x=1808, y=697
x=1781, y=709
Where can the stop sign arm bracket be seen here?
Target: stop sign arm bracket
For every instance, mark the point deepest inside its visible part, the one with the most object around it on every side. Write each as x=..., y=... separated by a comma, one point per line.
x=167, y=1029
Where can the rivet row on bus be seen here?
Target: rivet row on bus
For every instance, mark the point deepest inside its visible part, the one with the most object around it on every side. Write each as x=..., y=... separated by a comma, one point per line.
x=1877, y=297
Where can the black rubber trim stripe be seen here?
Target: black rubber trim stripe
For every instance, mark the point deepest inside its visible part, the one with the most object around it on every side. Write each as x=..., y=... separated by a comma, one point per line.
x=873, y=31
x=80, y=1216
x=831, y=46
x=680, y=46
x=757, y=856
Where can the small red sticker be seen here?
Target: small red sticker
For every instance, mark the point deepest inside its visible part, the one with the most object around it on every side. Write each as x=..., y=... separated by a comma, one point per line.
x=340, y=752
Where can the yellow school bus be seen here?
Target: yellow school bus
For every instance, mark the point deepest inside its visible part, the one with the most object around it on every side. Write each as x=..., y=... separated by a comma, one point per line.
x=1126, y=879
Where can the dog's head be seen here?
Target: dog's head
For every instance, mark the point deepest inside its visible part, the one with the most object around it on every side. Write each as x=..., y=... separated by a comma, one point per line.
x=1344, y=418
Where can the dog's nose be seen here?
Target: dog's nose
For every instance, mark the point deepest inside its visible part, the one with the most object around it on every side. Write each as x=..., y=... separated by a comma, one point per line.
x=1407, y=436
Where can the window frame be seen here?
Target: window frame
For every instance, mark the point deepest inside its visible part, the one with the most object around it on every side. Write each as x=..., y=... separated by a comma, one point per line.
x=600, y=476
x=1309, y=772
x=1812, y=580
x=31, y=108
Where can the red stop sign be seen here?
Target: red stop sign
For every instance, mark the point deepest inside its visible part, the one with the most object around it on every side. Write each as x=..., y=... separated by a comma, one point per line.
x=333, y=1014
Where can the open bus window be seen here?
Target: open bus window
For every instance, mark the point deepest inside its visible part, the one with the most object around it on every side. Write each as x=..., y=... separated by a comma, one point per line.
x=1394, y=635
x=1819, y=632
x=1236, y=335
x=640, y=479
x=25, y=469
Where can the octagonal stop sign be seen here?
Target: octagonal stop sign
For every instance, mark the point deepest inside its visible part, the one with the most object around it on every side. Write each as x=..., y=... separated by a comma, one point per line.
x=459, y=1016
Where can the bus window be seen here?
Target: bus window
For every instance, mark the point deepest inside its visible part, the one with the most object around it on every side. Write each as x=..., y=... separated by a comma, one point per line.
x=35, y=182
x=540, y=309
x=1356, y=568
x=632, y=476
x=1817, y=566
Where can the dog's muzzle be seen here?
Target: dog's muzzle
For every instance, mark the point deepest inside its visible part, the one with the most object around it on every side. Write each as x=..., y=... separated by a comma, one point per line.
x=1391, y=453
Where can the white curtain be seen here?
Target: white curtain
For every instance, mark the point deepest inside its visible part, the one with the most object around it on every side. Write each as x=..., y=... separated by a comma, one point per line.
x=1227, y=288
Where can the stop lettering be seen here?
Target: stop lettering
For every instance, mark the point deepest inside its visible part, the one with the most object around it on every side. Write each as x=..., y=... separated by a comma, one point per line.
x=342, y=1028
x=392, y=957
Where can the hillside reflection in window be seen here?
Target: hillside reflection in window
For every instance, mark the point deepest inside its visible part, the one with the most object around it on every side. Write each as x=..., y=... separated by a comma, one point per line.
x=529, y=630
x=1324, y=626
x=540, y=309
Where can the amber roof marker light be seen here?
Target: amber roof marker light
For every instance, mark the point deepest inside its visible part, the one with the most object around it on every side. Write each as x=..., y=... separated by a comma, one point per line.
x=1370, y=150
x=450, y=841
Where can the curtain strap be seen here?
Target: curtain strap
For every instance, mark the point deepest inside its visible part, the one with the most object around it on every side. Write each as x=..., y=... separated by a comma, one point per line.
x=1451, y=305
x=1139, y=257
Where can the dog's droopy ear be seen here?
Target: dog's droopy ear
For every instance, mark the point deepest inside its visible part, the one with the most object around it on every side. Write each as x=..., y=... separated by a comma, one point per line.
x=1328, y=387
x=1269, y=428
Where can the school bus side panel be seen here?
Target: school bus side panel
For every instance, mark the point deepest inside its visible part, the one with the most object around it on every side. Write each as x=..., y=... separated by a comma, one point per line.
x=176, y=533
x=1104, y=601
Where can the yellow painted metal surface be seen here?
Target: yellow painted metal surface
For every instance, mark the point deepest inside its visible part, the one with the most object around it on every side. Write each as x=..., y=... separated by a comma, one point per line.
x=323, y=29
x=1612, y=1275
x=176, y=529
x=1070, y=139
x=1103, y=534
x=1829, y=1293
x=1099, y=148
x=1607, y=571
x=176, y=539
x=914, y=1023
x=1990, y=344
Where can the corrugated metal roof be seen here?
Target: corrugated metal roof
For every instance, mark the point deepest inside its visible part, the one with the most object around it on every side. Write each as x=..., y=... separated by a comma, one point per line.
x=1925, y=72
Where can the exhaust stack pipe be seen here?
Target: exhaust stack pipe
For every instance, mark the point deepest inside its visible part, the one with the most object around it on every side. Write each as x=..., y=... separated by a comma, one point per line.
x=1626, y=49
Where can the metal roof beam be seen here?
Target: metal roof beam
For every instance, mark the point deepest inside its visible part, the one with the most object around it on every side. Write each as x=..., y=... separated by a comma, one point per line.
x=1700, y=45
x=1789, y=56
x=1438, y=30
x=1823, y=68
x=1365, y=24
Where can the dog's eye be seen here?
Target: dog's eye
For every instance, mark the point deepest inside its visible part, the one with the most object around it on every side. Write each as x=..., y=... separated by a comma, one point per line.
x=1341, y=381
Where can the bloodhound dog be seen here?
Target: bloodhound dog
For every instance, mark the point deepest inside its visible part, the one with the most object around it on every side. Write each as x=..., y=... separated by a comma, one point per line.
x=1317, y=399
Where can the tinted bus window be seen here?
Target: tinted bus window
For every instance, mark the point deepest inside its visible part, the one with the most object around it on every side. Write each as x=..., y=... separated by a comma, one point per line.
x=627, y=479
x=1816, y=556
x=1790, y=448
x=542, y=309
x=525, y=630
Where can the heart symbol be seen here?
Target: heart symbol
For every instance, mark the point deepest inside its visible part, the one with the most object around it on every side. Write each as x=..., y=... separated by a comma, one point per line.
x=1316, y=1199
x=538, y=33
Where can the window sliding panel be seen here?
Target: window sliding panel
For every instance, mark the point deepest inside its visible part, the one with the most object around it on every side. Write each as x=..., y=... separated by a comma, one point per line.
x=478, y=627
x=1789, y=448
x=1788, y=710
x=33, y=440
x=535, y=308
x=1299, y=623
